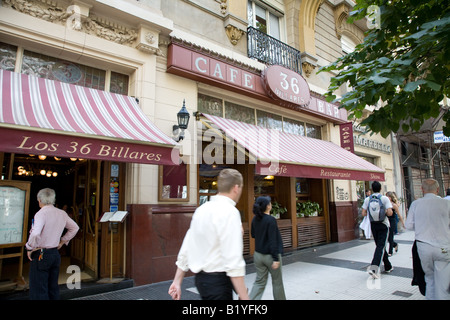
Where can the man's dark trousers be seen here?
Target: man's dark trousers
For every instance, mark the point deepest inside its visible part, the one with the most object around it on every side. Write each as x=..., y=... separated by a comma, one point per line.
x=214, y=286
x=44, y=275
x=380, y=234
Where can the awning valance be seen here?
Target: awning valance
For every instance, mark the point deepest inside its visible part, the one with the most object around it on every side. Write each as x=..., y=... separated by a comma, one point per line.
x=284, y=154
x=41, y=116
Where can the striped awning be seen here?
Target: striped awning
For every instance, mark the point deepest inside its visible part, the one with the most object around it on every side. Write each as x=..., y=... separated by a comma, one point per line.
x=42, y=116
x=285, y=154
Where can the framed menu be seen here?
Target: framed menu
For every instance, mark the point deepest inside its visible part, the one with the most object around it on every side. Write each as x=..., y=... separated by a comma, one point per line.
x=173, y=183
x=14, y=203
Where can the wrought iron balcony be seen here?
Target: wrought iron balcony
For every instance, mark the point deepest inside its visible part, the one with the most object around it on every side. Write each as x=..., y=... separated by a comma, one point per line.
x=269, y=50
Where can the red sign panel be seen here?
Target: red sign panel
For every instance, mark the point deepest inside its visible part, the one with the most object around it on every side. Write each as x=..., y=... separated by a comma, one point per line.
x=346, y=131
x=293, y=90
x=294, y=170
x=51, y=144
x=282, y=83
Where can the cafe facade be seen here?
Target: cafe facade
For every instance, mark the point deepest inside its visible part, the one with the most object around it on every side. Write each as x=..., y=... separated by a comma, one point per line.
x=266, y=118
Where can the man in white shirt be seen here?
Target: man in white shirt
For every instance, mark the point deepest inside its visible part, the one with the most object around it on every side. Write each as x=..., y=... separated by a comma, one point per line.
x=212, y=247
x=429, y=217
x=447, y=197
x=380, y=232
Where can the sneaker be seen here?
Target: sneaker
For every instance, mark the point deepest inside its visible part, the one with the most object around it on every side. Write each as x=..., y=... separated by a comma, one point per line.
x=390, y=270
x=396, y=248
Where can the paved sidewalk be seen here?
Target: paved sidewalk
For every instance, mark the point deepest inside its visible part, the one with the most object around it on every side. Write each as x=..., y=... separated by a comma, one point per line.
x=335, y=271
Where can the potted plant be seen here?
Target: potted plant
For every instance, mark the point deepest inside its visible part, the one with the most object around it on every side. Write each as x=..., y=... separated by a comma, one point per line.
x=308, y=209
x=277, y=210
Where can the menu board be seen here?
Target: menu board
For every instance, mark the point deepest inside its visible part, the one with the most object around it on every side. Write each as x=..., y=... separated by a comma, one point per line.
x=13, y=206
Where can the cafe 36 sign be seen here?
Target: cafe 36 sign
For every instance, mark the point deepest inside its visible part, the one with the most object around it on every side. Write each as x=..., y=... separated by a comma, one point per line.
x=287, y=85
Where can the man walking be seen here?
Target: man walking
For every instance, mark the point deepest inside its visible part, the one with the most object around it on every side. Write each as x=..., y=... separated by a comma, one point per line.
x=429, y=217
x=379, y=208
x=43, y=244
x=212, y=247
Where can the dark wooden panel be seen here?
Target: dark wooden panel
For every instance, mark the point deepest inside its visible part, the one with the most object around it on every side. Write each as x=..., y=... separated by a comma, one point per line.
x=311, y=231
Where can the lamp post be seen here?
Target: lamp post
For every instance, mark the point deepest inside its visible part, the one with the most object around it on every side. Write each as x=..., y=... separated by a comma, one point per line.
x=183, y=121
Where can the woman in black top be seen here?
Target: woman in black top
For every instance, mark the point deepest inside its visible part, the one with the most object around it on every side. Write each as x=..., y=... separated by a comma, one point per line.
x=268, y=250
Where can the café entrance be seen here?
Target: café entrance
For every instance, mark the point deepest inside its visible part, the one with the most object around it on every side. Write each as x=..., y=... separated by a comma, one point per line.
x=84, y=189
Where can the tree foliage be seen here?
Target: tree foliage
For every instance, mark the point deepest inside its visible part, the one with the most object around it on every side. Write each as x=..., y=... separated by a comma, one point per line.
x=404, y=62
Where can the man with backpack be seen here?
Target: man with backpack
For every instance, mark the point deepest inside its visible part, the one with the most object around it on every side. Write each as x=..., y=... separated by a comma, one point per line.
x=379, y=208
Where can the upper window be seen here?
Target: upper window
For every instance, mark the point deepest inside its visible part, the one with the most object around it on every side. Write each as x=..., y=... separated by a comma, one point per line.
x=43, y=66
x=263, y=20
x=7, y=56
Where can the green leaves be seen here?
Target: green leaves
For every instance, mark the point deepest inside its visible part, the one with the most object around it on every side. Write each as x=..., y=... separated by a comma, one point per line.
x=405, y=64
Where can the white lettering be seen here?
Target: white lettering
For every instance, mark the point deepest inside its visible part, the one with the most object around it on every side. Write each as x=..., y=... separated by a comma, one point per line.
x=197, y=64
x=218, y=72
x=233, y=74
x=247, y=80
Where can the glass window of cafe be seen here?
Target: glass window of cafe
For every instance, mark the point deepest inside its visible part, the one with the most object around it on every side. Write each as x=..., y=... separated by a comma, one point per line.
x=52, y=68
x=275, y=187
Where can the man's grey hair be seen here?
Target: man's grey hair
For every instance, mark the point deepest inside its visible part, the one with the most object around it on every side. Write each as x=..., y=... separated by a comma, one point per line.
x=46, y=196
x=430, y=186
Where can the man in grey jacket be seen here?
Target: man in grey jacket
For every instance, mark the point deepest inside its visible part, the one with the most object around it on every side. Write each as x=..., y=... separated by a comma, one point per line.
x=429, y=217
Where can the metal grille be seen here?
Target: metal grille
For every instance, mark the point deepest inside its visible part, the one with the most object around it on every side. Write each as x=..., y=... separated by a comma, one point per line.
x=271, y=51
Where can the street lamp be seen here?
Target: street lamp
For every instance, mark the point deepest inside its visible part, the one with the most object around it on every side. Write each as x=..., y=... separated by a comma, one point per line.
x=183, y=121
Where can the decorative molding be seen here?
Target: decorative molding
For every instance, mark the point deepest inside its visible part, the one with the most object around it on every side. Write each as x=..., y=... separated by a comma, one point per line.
x=81, y=21
x=307, y=68
x=309, y=63
x=148, y=41
x=306, y=25
x=341, y=14
x=234, y=33
x=223, y=6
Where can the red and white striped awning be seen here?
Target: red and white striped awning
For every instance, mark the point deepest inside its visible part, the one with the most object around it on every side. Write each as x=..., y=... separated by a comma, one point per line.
x=284, y=154
x=42, y=116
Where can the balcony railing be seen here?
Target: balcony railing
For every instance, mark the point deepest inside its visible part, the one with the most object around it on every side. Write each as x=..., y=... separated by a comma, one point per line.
x=269, y=50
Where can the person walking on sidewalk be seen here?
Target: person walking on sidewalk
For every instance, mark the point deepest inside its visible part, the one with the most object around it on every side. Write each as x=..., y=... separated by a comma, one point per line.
x=212, y=247
x=43, y=244
x=429, y=217
x=268, y=250
x=379, y=208
x=393, y=221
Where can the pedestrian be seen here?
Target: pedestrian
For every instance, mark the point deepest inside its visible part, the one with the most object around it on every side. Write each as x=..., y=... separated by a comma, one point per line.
x=43, y=244
x=268, y=250
x=447, y=196
x=393, y=221
x=379, y=208
x=429, y=217
x=212, y=247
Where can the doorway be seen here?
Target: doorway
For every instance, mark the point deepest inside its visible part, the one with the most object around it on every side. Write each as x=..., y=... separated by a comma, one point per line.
x=77, y=183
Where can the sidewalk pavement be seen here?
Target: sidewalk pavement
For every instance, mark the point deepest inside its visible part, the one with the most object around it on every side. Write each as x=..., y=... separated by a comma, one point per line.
x=335, y=271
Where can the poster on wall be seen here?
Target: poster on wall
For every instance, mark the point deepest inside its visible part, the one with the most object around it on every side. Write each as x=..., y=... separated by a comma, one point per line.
x=114, y=188
x=12, y=211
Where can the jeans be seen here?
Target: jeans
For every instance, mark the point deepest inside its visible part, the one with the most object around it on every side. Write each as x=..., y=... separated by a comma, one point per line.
x=44, y=275
x=214, y=286
x=380, y=234
x=392, y=231
x=263, y=264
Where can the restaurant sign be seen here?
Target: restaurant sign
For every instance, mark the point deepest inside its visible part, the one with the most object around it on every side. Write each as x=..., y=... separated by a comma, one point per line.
x=61, y=145
x=298, y=170
x=275, y=85
x=287, y=85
